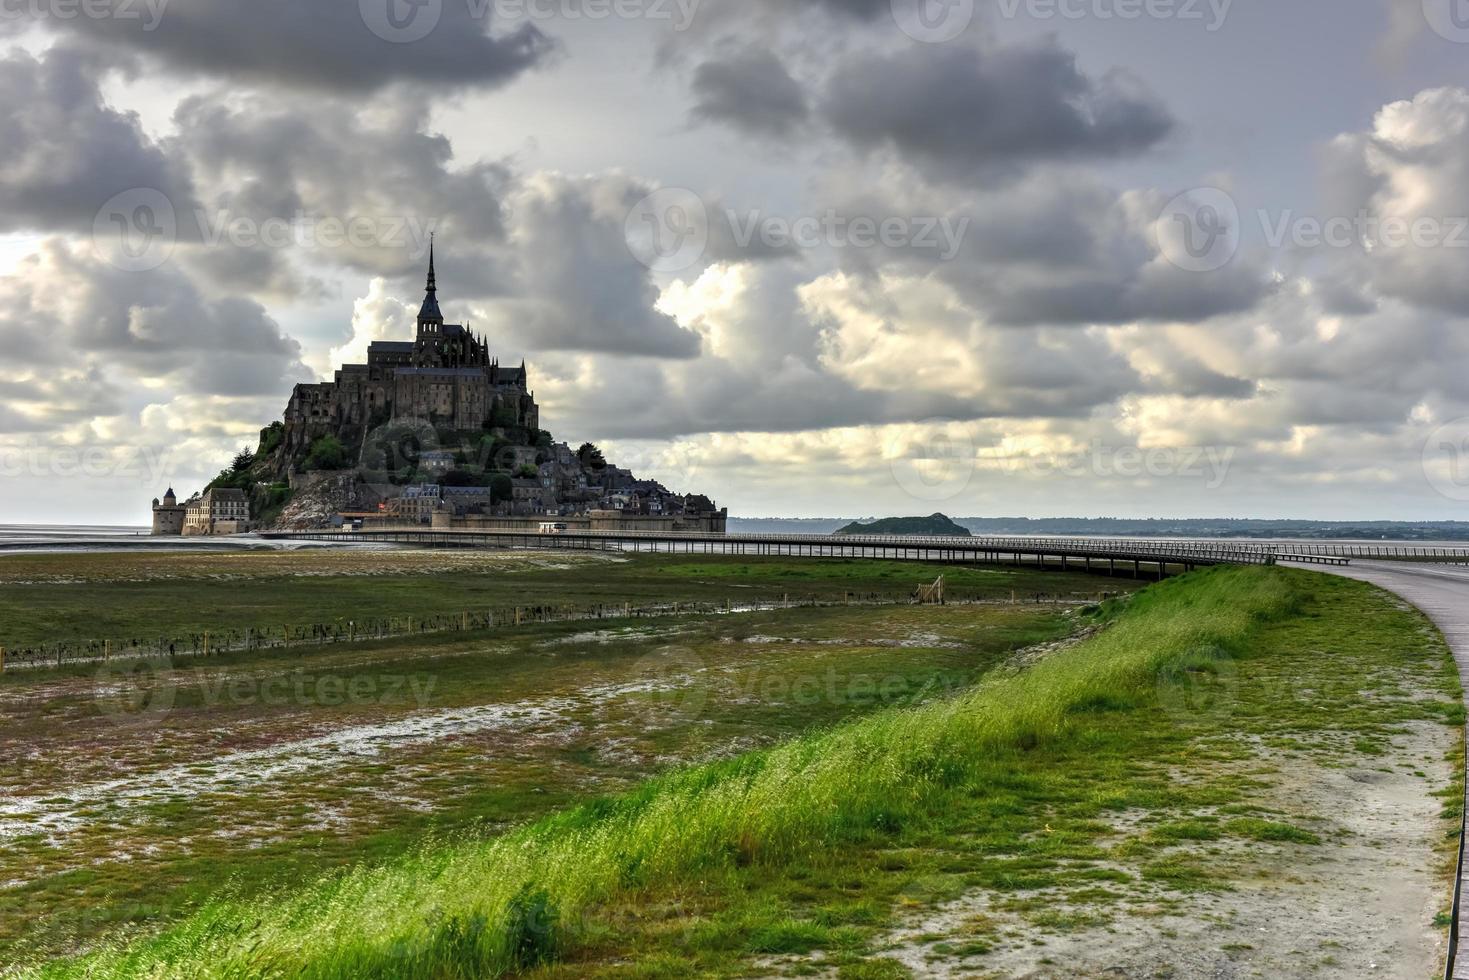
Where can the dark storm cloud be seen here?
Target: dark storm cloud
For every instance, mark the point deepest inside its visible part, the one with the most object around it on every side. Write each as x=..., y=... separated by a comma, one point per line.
x=155, y=325
x=577, y=284
x=326, y=45
x=312, y=160
x=63, y=151
x=1182, y=375
x=751, y=91
x=864, y=11
x=1056, y=249
x=1156, y=293
x=958, y=114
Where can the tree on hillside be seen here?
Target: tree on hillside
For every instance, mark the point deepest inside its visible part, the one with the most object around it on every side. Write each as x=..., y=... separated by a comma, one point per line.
x=327, y=453
x=591, y=457
x=244, y=459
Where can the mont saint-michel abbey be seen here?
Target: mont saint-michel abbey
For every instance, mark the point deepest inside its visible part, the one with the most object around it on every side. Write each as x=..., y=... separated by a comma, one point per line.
x=428, y=431
x=446, y=374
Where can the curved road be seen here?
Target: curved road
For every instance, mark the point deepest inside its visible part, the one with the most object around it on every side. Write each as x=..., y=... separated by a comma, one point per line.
x=1442, y=593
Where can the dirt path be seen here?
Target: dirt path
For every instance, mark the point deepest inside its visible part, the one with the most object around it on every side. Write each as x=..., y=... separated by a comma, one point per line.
x=1358, y=907
x=1363, y=904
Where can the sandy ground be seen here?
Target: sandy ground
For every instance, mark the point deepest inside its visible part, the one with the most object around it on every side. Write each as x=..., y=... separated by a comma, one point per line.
x=1359, y=905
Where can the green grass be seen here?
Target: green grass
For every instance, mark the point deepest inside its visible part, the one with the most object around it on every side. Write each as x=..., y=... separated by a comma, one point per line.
x=69, y=598
x=140, y=866
x=483, y=908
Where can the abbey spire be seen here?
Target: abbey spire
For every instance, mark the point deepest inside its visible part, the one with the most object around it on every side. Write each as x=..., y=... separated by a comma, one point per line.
x=429, y=312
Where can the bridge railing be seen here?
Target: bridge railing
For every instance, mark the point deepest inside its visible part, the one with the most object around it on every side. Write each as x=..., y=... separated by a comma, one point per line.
x=1116, y=548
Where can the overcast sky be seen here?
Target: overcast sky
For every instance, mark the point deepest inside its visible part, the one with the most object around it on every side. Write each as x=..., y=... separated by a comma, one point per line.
x=816, y=258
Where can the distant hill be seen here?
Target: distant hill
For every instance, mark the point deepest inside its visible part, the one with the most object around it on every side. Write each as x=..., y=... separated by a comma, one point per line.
x=932, y=526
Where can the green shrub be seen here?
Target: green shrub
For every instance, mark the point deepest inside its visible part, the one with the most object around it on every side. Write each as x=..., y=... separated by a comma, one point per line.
x=326, y=453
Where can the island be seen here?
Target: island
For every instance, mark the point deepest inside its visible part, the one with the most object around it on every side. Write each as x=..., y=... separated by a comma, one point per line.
x=935, y=525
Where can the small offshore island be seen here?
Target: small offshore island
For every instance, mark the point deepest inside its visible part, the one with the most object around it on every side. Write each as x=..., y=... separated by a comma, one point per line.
x=935, y=525
x=433, y=431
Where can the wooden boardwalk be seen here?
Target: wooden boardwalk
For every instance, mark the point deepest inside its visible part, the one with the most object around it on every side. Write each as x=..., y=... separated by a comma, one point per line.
x=1442, y=593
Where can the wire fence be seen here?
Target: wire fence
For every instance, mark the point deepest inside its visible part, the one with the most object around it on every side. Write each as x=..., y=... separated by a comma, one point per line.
x=208, y=643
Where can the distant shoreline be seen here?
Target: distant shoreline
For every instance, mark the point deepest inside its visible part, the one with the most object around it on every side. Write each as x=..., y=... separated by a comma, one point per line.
x=1419, y=532
x=41, y=539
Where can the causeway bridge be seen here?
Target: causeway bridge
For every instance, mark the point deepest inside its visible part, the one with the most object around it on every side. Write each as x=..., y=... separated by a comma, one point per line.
x=1143, y=558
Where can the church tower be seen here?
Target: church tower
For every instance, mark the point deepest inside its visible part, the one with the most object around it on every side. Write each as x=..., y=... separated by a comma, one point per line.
x=430, y=320
x=429, y=350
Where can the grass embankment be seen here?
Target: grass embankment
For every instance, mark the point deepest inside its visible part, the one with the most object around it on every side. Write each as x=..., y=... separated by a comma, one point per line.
x=490, y=907
x=183, y=812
